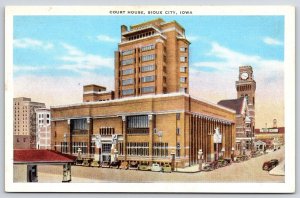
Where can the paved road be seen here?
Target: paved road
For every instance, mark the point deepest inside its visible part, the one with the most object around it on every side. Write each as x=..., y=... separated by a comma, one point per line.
x=245, y=172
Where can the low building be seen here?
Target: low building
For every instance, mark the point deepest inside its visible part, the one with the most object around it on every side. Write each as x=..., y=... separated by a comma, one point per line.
x=151, y=128
x=273, y=137
x=43, y=129
x=96, y=93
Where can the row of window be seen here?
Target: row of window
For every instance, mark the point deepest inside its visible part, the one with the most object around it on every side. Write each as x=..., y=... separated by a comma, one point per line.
x=138, y=148
x=79, y=124
x=148, y=89
x=137, y=121
x=148, y=47
x=144, y=79
x=127, y=61
x=127, y=52
x=145, y=68
x=107, y=131
x=43, y=115
x=138, y=36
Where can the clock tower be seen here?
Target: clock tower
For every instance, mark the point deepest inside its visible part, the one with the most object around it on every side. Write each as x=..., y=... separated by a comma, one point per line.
x=245, y=88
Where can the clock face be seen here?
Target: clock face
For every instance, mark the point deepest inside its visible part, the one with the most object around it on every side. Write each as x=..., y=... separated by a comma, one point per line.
x=244, y=76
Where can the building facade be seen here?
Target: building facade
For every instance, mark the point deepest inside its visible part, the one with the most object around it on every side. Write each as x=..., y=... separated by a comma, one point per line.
x=152, y=58
x=43, y=129
x=25, y=118
x=150, y=117
x=144, y=129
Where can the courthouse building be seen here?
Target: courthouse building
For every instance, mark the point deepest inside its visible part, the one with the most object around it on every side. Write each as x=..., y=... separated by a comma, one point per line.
x=149, y=117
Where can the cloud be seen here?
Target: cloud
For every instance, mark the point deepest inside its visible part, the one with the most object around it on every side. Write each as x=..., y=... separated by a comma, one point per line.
x=18, y=68
x=215, y=80
x=106, y=38
x=82, y=62
x=32, y=43
x=272, y=41
x=57, y=90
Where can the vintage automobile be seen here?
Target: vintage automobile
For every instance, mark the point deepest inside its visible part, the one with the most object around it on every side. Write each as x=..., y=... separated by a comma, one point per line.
x=269, y=165
x=144, y=166
x=133, y=165
x=211, y=166
x=124, y=165
x=115, y=164
x=167, y=168
x=105, y=164
x=156, y=167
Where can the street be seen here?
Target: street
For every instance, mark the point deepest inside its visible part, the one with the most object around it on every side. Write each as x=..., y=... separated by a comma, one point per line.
x=247, y=171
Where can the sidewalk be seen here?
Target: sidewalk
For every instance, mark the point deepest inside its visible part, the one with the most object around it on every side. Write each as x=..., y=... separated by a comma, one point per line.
x=278, y=170
x=190, y=169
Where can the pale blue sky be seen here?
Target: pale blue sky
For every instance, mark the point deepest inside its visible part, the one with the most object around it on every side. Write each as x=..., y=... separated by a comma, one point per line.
x=98, y=35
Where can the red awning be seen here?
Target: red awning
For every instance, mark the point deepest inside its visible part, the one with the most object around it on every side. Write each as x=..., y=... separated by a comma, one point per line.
x=24, y=156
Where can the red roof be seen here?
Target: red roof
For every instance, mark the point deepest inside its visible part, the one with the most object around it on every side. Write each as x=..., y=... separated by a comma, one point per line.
x=41, y=156
x=234, y=104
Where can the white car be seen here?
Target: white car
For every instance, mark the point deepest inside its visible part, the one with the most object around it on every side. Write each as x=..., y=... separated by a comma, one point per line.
x=156, y=167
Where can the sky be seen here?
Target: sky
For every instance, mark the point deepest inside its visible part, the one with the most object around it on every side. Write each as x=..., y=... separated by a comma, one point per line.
x=54, y=56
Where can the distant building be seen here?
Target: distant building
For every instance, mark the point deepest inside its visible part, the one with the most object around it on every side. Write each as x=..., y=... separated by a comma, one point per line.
x=25, y=119
x=244, y=106
x=273, y=137
x=21, y=141
x=244, y=135
x=43, y=129
x=93, y=93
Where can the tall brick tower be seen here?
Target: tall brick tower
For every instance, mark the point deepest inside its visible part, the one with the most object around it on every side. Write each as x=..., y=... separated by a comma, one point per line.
x=246, y=87
x=152, y=58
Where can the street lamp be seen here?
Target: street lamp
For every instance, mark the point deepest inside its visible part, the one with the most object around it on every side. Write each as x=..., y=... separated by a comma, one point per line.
x=232, y=153
x=200, y=154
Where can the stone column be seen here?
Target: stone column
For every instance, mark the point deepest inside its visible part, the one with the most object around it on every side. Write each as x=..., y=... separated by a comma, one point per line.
x=124, y=126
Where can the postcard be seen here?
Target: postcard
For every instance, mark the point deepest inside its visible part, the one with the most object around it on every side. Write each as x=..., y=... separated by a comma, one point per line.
x=191, y=99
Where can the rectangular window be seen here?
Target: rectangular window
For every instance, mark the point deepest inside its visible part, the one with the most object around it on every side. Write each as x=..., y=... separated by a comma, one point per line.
x=182, y=69
x=148, y=47
x=79, y=145
x=127, y=92
x=182, y=49
x=64, y=147
x=127, y=71
x=183, y=59
x=183, y=79
x=79, y=124
x=148, y=89
x=160, y=149
x=128, y=81
x=148, y=68
x=128, y=61
x=137, y=122
x=127, y=52
x=148, y=57
x=138, y=148
x=178, y=150
x=106, y=148
x=148, y=78
x=177, y=131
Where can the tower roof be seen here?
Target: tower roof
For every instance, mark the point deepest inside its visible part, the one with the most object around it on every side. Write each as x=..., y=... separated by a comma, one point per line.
x=234, y=104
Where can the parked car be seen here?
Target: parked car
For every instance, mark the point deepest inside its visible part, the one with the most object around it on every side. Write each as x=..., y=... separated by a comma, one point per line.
x=269, y=165
x=144, y=166
x=167, y=168
x=133, y=166
x=124, y=165
x=227, y=161
x=211, y=166
x=156, y=167
x=105, y=164
x=115, y=164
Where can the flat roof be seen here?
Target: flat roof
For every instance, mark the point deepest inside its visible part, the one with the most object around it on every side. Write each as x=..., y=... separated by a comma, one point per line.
x=141, y=98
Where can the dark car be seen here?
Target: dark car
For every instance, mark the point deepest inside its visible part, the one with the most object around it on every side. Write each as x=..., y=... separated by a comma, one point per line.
x=133, y=166
x=269, y=165
x=115, y=164
x=211, y=166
